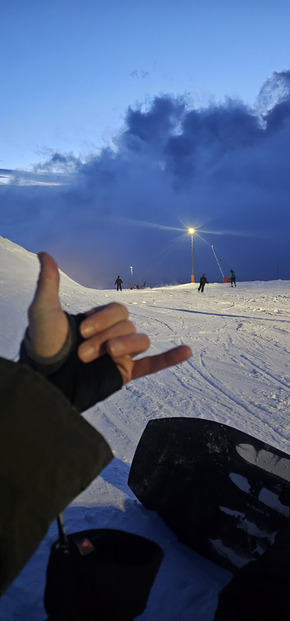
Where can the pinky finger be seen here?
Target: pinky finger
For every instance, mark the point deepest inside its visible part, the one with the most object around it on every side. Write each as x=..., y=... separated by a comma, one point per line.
x=153, y=364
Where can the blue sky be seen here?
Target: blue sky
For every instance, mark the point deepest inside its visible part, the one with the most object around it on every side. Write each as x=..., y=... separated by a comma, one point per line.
x=134, y=112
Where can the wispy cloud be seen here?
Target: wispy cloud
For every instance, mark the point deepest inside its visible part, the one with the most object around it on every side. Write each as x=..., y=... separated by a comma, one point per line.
x=139, y=73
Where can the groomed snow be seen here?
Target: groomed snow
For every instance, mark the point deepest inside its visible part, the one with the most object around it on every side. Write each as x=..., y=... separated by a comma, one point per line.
x=239, y=374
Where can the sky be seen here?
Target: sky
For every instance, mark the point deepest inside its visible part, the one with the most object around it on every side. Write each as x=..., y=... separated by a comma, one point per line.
x=238, y=375
x=123, y=124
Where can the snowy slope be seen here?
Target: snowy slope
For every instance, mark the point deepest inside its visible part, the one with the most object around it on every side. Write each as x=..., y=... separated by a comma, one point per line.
x=239, y=374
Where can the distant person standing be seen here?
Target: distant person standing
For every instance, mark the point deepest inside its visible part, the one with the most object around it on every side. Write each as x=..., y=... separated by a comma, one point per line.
x=119, y=283
x=233, y=278
x=202, y=282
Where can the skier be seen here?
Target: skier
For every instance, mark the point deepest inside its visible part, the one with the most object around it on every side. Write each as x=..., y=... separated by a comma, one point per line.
x=233, y=278
x=119, y=283
x=203, y=281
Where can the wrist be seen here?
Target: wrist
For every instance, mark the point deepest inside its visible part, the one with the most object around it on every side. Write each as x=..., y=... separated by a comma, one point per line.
x=48, y=364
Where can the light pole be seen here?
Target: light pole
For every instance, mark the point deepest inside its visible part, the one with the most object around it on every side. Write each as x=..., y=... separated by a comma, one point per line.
x=131, y=270
x=191, y=232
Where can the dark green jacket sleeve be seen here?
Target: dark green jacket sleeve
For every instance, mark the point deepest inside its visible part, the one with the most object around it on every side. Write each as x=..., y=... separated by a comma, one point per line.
x=48, y=455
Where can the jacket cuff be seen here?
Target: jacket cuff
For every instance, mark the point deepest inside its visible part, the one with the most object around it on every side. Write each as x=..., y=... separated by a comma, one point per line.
x=48, y=365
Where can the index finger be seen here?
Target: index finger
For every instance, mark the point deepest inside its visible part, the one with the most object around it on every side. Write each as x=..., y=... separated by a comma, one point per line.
x=153, y=364
x=102, y=318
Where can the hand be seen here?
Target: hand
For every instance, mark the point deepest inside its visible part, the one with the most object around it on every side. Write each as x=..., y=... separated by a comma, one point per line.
x=48, y=323
x=123, y=349
x=106, y=330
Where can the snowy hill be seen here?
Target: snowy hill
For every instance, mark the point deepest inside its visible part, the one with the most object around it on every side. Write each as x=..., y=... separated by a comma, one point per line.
x=239, y=374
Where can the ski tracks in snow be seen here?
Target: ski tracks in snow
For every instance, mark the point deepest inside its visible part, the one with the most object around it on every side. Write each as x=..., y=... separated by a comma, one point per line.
x=239, y=372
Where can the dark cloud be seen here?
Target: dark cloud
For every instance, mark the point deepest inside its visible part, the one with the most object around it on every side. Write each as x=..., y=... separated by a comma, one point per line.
x=5, y=171
x=223, y=169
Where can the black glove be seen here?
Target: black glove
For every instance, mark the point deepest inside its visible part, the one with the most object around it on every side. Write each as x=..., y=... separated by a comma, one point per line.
x=84, y=384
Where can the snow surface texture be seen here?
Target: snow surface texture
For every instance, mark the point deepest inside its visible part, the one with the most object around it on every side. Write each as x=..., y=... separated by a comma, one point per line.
x=239, y=374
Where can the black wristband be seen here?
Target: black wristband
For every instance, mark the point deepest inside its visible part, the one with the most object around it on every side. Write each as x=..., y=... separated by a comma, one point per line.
x=84, y=384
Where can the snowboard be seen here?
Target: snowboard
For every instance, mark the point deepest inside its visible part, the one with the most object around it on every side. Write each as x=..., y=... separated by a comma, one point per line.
x=224, y=493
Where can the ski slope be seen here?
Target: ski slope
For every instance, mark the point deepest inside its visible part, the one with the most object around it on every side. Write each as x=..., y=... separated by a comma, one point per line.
x=239, y=374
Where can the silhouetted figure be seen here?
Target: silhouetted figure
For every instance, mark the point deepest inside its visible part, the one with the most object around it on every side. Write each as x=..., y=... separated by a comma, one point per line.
x=119, y=283
x=233, y=278
x=203, y=281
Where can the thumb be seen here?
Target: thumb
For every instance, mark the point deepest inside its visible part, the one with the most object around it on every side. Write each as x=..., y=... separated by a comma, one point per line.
x=46, y=294
x=48, y=324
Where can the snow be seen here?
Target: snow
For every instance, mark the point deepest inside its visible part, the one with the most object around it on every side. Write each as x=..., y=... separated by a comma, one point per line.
x=239, y=374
